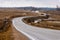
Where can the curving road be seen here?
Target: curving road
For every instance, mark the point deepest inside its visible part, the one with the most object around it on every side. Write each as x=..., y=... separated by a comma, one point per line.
x=35, y=33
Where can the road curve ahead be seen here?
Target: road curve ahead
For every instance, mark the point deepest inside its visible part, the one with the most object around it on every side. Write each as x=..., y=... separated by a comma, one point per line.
x=35, y=33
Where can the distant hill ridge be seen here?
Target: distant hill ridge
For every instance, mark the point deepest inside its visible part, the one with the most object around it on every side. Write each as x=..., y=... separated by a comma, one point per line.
x=29, y=8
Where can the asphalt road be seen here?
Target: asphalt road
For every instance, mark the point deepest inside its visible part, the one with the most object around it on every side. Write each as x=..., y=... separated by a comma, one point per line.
x=35, y=33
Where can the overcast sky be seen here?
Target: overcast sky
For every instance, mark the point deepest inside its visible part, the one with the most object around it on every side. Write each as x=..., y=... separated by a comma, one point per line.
x=34, y=3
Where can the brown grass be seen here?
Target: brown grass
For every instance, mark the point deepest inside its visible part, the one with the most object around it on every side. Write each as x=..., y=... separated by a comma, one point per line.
x=49, y=25
x=6, y=32
x=11, y=34
x=54, y=14
x=43, y=24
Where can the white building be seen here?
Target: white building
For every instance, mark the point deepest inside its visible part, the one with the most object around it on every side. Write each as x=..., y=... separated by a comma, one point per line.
x=36, y=11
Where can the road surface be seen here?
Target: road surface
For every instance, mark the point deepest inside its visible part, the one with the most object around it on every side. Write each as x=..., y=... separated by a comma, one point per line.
x=35, y=33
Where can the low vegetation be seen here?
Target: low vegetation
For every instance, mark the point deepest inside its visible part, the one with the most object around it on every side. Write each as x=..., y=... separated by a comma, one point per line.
x=4, y=24
x=5, y=29
x=45, y=24
x=54, y=14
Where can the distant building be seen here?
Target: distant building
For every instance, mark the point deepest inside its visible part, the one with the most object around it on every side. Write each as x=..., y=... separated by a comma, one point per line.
x=37, y=11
